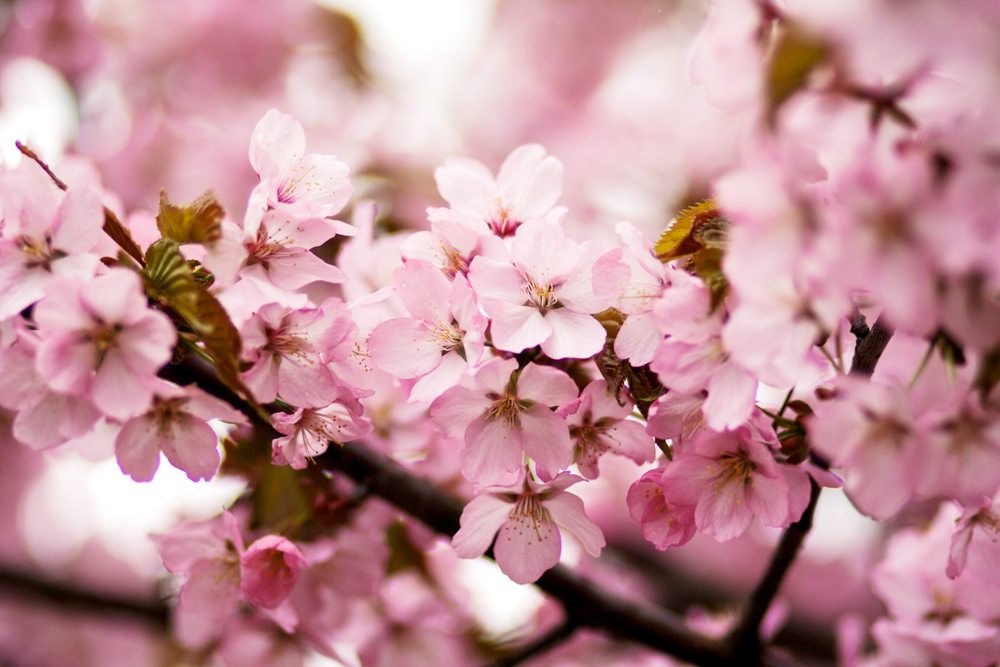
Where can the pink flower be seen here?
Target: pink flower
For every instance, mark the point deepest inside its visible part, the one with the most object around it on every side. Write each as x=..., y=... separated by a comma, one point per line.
x=527, y=527
x=869, y=430
x=278, y=253
x=207, y=554
x=271, y=566
x=729, y=478
x=45, y=234
x=693, y=359
x=102, y=341
x=631, y=279
x=525, y=190
x=292, y=182
x=664, y=523
x=504, y=414
x=541, y=295
x=440, y=341
x=984, y=515
x=44, y=418
x=309, y=431
x=177, y=425
x=598, y=424
x=289, y=351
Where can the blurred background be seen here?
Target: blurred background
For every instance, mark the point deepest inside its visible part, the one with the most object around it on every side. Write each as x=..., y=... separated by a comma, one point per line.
x=142, y=95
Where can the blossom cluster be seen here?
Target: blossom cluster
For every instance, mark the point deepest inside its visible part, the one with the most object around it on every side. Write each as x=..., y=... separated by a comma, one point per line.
x=500, y=353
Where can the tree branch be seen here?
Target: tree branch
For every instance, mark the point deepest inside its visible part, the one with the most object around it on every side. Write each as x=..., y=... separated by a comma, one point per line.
x=745, y=637
x=549, y=640
x=586, y=603
x=31, y=587
x=870, y=347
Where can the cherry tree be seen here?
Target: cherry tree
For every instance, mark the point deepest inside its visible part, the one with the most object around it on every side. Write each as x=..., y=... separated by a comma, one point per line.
x=499, y=377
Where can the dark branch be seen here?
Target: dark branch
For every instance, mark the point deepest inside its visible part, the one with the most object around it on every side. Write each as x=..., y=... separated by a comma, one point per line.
x=870, y=348
x=549, y=640
x=585, y=603
x=30, y=587
x=745, y=637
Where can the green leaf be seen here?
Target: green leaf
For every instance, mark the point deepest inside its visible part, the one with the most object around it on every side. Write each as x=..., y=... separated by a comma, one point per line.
x=198, y=222
x=170, y=282
x=796, y=54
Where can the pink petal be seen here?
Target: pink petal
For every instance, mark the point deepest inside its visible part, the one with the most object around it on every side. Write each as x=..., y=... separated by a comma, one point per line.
x=546, y=439
x=527, y=546
x=731, y=393
x=147, y=344
x=496, y=282
x=137, y=448
x=447, y=374
x=294, y=270
x=66, y=363
x=493, y=453
x=574, y=335
x=20, y=286
x=456, y=408
x=424, y=291
x=81, y=216
x=568, y=512
x=546, y=385
x=516, y=328
x=494, y=375
x=116, y=297
x=192, y=446
x=631, y=441
x=767, y=498
x=543, y=253
x=481, y=519
x=262, y=378
x=530, y=181
x=404, y=348
x=277, y=141
x=305, y=381
x=207, y=601
x=638, y=339
x=117, y=391
x=723, y=512
x=466, y=185
x=318, y=180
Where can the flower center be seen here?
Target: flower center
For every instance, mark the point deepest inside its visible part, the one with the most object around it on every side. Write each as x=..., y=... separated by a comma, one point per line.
x=529, y=513
x=447, y=336
x=734, y=468
x=502, y=224
x=542, y=297
x=506, y=408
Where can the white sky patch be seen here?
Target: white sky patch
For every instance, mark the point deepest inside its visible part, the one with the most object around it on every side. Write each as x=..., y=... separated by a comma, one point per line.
x=37, y=107
x=499, y=605
x=76, y=500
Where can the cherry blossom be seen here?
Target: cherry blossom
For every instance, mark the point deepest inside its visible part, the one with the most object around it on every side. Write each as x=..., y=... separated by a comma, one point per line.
x=504, y=413
x=524, y=191
x=102, y=341
x=289, y=352
x=541, y=295
x=177, y=425
x=527, y=526
x=292, y=182
x=309, y=431
x=442, y=339
x=598, y=425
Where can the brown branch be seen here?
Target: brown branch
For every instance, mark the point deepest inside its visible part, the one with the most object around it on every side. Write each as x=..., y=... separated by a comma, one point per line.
x=30, y=587
x=547, y=641
x=870, y=348
x=586, y=603
x=745, y=637
x=744, y=640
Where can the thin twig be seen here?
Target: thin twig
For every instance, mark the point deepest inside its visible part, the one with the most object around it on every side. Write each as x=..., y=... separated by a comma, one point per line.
x=31, y=587
x=549, y=640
